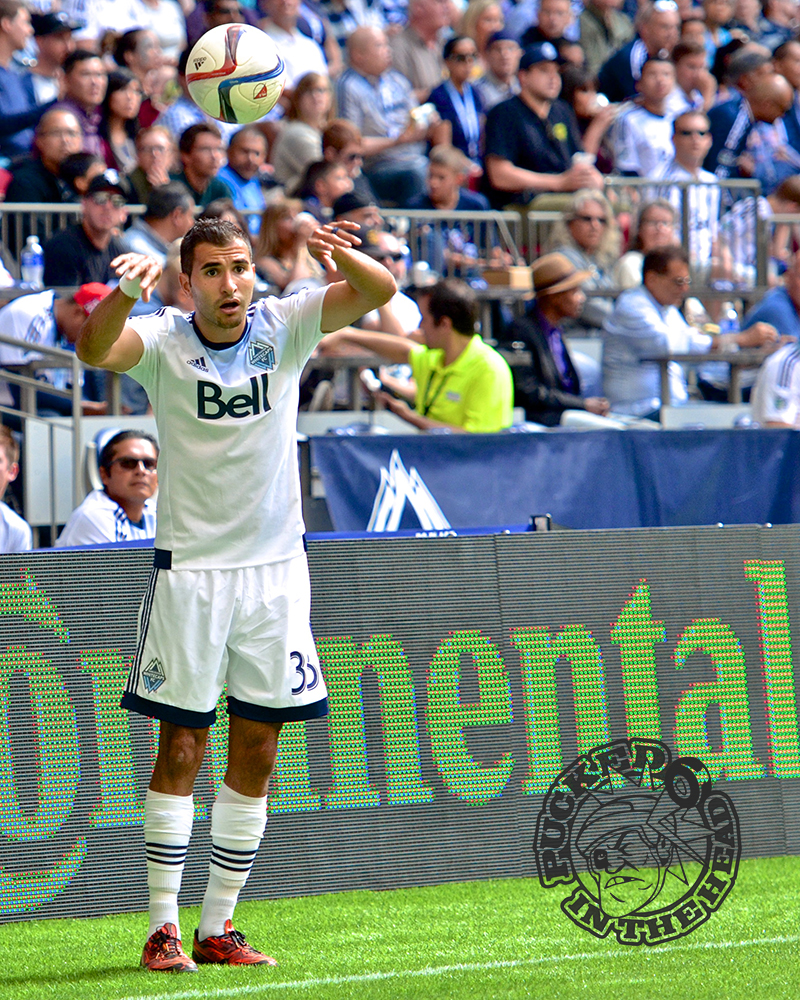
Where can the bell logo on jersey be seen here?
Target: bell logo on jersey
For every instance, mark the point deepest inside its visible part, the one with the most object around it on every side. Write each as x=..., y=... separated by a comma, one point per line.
x=211, y=404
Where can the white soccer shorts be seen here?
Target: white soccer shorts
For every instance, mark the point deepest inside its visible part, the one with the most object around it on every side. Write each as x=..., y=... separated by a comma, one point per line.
x=248, y=628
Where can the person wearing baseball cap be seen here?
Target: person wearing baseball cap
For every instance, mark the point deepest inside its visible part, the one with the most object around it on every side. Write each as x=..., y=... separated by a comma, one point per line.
x=82, y=252
x=532, y=139
x=52, y=34
x=499, y=80
x=551, y=383
x=54, y=321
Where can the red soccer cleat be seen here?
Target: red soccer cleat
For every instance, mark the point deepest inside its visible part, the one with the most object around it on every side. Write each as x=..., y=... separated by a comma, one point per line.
x=229, y=948
x=163, y=952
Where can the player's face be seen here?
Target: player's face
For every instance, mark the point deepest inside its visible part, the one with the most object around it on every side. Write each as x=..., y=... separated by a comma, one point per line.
x=129, y=480
x=221, y=285
x=8, y=471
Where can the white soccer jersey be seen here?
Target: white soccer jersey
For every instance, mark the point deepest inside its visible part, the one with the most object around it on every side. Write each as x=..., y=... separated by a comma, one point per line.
x=641, y=141
x=228, y=477
x=776, y=394
x=15, y=533
x=100, y=519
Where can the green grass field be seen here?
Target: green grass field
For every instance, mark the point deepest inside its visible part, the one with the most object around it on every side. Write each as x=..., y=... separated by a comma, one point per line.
x=469, y=941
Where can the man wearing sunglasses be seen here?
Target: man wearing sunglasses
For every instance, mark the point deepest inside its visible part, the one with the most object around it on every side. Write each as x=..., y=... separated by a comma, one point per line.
x=124, y=510
x=82, y=253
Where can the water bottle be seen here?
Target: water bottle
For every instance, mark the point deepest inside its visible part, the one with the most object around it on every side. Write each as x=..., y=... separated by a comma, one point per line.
x=729, y=321
x=32, y=263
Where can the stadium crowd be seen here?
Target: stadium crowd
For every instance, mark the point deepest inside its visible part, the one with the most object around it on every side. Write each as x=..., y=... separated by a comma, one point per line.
x=432, y=105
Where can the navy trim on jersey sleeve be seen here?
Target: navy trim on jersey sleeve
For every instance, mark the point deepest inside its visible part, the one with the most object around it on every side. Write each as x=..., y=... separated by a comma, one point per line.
x=162, y=559
x=261, y=713
x=168, y=713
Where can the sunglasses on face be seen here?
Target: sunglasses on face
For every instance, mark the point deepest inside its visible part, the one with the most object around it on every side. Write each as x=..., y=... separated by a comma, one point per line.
x=129, y=463
x=103, y=198
x=692, y=131
x=592, y=218
x=393, y=256
x=462, y=57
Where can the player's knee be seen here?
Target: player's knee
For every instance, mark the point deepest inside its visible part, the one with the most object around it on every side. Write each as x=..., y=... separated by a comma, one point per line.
x=182, y=749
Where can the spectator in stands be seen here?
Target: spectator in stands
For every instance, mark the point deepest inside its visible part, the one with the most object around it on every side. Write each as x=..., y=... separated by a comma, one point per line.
x=223, y=208
x=739, y=232
x=457, y=101
x=732, y=120
x=21, y=110
x=46, y=319
x=120, y=119
x=769, y=156
x=594, y=118
x=780, y=307
x=36, y=179
x=299, y=141
x=83, y=252
x=653, y=227
x=281, y=254
x=85, y=82
x=54, y=42
x=780, y=23
x=400, y=315
x=78, y=171
x=642, y=134
x=787, y=62
x=648, y=321
x=166, y=18
x=691, y=139
x=589, y=238
x=499, y=80
x=168, y=216
x=243, y=173
x=341, y=142
x=15, y=532
x=551, y=383
x=210, y=14
x=532, y=138
x=552, y=22
x=139, y=51
x=324, y=182
x=461, y=382
x=357, y=208
x=695, y=88
x=300, y=53
x=718, y=14
x=123, y=510
x=657, y=25
x=604, y=30
x=155, y=153
x=379, y=100
x=481, y=20
x=417, y=50
x=202, y=156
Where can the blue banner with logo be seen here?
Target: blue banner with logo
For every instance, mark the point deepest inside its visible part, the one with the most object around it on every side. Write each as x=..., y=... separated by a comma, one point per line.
x=598, y=479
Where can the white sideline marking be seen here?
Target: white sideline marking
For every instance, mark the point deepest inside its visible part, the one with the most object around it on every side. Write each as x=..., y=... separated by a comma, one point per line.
x=367, y=977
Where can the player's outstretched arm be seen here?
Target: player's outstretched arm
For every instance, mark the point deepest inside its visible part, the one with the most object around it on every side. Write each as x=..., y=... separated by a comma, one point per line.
x=367, y=285
x=387, y=345
x=105, y=339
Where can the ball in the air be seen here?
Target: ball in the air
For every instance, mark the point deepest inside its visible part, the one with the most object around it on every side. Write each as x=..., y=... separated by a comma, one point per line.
x=235, y=73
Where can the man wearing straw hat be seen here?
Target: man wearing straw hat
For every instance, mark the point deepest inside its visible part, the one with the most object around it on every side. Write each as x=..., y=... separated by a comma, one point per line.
x=551, y=383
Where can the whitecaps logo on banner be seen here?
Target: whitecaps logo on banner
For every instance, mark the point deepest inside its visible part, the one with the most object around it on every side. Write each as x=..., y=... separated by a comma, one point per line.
x=398, y=487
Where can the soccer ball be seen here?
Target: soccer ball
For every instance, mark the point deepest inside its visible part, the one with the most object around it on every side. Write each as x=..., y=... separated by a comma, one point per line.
x=234, y=73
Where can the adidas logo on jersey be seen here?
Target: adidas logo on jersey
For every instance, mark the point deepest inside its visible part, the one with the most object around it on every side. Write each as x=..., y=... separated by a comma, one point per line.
x=199, y=363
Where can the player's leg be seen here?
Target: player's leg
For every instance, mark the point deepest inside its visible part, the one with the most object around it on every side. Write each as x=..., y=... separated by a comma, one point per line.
x=238, y=820
x=168, y=814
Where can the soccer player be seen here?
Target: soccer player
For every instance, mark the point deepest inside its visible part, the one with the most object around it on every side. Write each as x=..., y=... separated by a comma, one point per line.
x=228, y=601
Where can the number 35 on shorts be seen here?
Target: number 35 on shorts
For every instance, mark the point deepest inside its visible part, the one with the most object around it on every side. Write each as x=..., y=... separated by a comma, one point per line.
x=307, y=674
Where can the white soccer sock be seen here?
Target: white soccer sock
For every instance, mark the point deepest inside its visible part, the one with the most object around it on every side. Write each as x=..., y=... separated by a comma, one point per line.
x=167, y=829
x=237, y=826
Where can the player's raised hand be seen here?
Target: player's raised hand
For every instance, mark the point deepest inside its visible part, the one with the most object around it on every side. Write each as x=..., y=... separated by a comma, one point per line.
x=141, y=274
x=332, y=236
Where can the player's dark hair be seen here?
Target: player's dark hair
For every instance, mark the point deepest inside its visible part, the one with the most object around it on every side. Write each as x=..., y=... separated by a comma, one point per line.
x=217, y=232
x=658, y=261
x=78, y=56
x=109, y=448
x=455, y=299
x=164, y=199
x=189, y=135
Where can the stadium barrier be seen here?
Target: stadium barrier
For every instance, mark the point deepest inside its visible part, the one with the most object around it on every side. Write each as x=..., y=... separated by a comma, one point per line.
x=456, y=698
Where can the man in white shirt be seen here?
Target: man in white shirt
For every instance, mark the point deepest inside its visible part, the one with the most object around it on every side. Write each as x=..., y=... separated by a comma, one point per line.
x=691, y=140
x=124, y=510
x=776, y=394
x=15, y=533
x=300, y=53
x=642, y=136
x=647, y=321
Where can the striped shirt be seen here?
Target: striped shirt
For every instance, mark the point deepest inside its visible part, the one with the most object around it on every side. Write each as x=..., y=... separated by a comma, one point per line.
x=776, y=395
x=380, y=107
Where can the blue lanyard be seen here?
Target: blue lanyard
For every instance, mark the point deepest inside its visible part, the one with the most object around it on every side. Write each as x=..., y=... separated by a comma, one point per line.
x=467, y=114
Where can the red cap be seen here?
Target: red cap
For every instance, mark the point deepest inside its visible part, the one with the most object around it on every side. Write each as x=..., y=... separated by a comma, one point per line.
x=89, y=295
